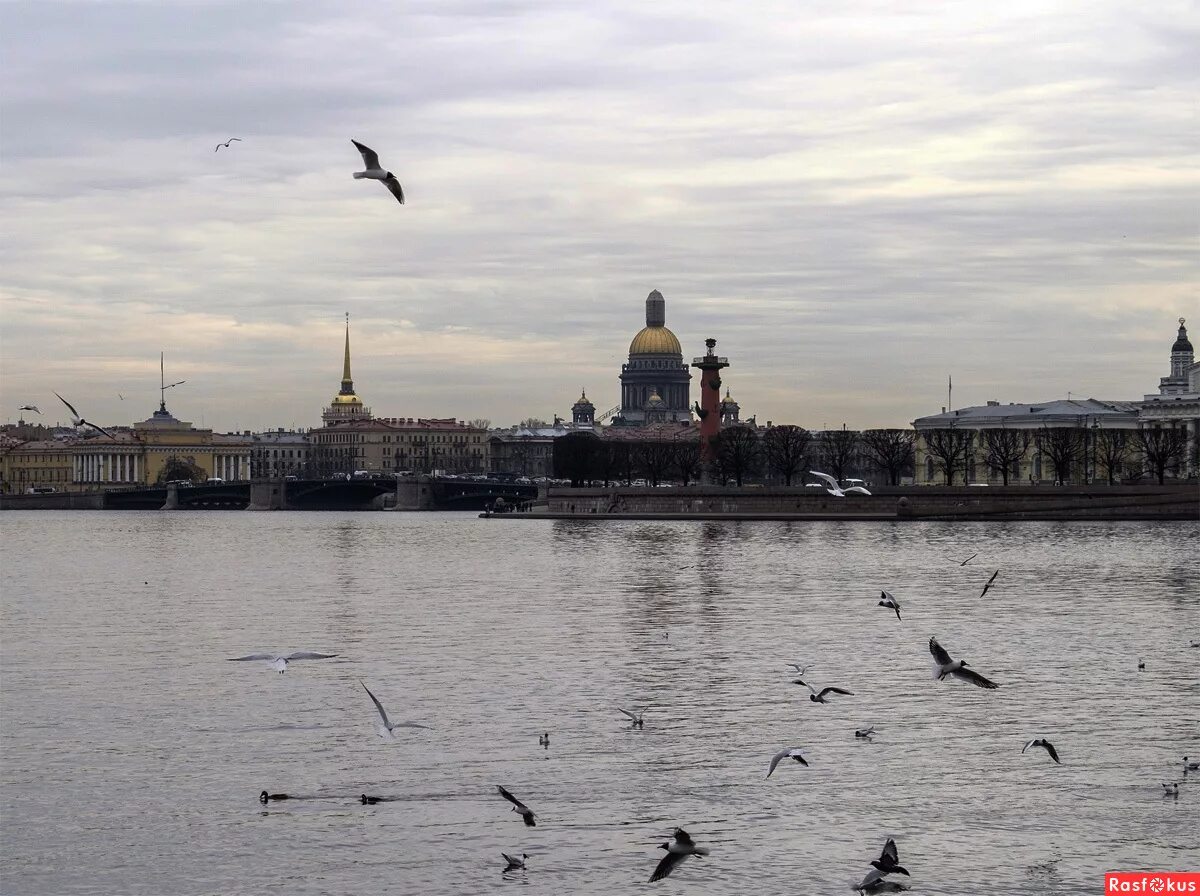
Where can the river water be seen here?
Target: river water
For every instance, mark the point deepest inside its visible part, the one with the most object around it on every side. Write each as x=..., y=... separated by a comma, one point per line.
x=133, y=753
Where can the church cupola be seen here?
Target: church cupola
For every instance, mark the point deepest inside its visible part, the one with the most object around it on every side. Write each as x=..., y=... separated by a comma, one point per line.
x=730, y=410
x=583, y=411
x=1182, y=357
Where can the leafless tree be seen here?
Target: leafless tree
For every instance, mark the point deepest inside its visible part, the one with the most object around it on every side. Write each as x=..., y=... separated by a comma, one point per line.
x=892, y=451
x=738, y=453
x=1004, y=447
x=655, y=459
x=949, y=447
x=687, y=459
x=1064, y=447
x=576, y=457
x=1163, y=448
x=481, y=423
x=786, y=450
x=1112, y=451
x=838, y=450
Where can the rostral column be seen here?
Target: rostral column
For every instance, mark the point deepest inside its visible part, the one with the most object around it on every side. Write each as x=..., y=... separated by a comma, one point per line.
x=709, y=411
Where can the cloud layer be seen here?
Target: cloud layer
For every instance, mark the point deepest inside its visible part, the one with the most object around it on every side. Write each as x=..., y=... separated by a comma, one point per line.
x=854, y=198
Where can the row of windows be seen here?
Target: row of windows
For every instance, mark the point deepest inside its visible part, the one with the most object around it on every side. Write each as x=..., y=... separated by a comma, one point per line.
x=51, y=475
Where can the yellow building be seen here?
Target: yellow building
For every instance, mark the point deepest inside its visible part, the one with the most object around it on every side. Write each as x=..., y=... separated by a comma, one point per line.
x=41, y=464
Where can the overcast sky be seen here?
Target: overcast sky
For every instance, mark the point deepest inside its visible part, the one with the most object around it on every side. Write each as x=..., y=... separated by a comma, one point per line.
x=854, y=198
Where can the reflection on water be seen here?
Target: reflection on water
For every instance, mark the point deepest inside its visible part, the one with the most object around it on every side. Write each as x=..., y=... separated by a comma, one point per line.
x=131, y=746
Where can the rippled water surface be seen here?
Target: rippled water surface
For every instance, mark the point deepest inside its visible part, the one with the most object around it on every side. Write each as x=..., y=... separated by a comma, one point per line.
x=133, y=752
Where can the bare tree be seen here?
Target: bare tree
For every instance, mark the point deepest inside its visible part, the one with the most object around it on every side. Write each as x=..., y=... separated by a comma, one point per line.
x=576, y=457
x=1064, y=446
x=1163, y=448
x=738, y=453
x=949, y=448
x=481, y=423
x=838, y=449
x=1004, y=447
x=786, y=449
x=687, y=459
x=891, y=450
x=533, y=423
x=655, y=460
x=1111, y=447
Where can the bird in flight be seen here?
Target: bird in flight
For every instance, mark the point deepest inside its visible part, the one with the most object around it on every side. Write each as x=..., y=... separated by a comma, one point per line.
x=375, y=171
x=635, y=718
x=969, y=559
x=280, y=663
x=79, y=421
x=1044, y=744
x=819, y=697
x=30, y=407
x=800, y=670
x=387, y=728
x=889, y=860
x=227, y=142
x=526, y=813
x=514, y=863
x=887, y=599
x=958, y=668
x=831, y=485
x=677, y=850
x=989, y=583
x=790, y=753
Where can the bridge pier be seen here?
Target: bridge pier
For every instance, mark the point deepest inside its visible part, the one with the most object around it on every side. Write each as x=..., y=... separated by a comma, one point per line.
x=414, y=493
x=172, y=502
x=268, y=494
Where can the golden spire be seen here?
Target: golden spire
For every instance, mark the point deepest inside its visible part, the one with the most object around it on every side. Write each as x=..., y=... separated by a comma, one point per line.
x=347, y=381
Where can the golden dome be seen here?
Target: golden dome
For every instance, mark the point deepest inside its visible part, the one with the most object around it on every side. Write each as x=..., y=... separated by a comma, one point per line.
x=346, y=399
x=655, y=341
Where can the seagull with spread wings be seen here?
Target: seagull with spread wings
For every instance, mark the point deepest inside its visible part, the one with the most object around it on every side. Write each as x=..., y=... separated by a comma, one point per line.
x=227, y=142
x=375, y=171
x=789, y=753
x=819, y=696
x=1045, y=745
x=29, y=407
x=280, y=663
x=944, y=666
x=387, y=728
x=887, y=599
x=989, y=583
x=831, y=485
x=677, y=850
x=525, y=812
x=79, y=421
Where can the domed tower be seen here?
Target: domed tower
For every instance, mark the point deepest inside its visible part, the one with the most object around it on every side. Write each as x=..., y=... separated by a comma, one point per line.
x=1182, y=357
x=655, y=366
x=346, y=405
x=583, y=411
x=730, y=410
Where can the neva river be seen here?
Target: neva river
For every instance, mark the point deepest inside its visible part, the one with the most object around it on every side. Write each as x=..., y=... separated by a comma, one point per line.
x=133, y=753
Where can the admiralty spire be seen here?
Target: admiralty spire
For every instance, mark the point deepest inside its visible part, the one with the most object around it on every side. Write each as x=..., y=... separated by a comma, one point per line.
x=346, y=405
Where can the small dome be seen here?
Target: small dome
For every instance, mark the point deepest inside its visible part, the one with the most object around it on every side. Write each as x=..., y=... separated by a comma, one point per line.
x=655, y=341
x=1181, y=341
x=346, y=399
x=655, y=402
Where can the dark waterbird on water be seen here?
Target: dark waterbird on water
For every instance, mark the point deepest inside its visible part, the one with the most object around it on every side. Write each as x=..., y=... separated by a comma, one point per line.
x=265, y=797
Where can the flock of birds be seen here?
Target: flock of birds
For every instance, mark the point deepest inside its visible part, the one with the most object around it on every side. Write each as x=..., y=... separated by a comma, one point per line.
x=681, y=845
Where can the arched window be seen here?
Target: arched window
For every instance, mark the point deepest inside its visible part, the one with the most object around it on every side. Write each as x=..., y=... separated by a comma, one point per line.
x=929, y=469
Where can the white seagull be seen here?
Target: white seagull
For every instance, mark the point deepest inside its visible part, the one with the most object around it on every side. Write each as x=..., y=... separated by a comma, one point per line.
x=887, y=599
x=29, y=407
x=819, y=697
x=388, y=727
x=800, y=670
x=790, y=753
x=834, y=489
x=1044, y=744
x=514, y=863
x=958, y=668
x=280, y=663
x=526, y=813
x=375, y=171
x=677, y=850
x=636, y=720
x=875, y=883
x=227, y=142
x=79, y=421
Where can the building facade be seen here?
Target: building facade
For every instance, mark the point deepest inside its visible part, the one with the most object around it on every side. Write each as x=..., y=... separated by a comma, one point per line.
x=279, y=452
x=1177, y=404
x=655, y=369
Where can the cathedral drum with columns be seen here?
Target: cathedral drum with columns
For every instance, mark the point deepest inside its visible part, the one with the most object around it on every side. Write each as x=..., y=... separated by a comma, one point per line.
x=655, y=380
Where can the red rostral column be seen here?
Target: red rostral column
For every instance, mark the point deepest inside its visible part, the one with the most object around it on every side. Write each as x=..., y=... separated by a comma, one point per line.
x=708, y=409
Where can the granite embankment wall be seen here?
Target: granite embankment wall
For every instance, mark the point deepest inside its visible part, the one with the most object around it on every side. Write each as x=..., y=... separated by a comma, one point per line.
x=1172, y=501
x=56, y=501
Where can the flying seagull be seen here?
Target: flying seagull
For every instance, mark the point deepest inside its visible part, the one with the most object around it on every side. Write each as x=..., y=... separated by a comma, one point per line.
x=887, y=599
x=29, y=407
x=800, y=670
x=969, y=559
x=387, y=728
x=790, y=753
x=227, y=142
x=677, y=850
x=526, y=813
x=514, y=863
x=889, y=860
x=819, y=697
x=989, y=583
x=636, y=720
x=79, y=421
x=957, y=668
x=1044, y=744
x=834, y=489
x=280, y=663
x=375, y=172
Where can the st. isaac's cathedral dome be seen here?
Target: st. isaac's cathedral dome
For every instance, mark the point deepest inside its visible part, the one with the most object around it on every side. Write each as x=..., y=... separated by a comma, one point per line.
x=655, y=369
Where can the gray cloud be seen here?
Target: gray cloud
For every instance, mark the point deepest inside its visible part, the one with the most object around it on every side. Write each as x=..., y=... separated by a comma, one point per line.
x=855, y=199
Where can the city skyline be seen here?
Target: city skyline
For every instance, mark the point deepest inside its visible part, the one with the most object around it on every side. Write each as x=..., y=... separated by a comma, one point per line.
x=856, y=204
